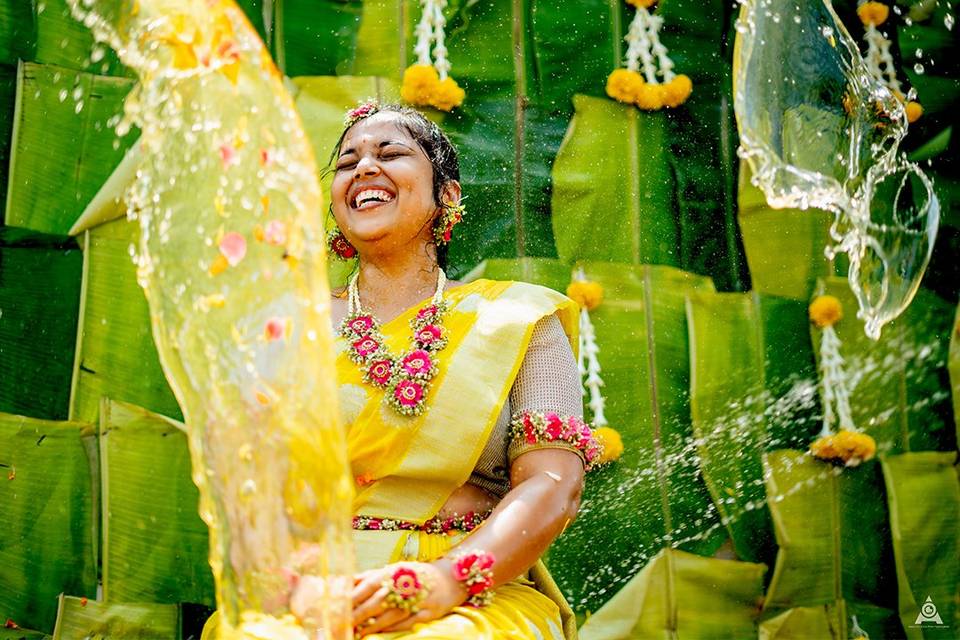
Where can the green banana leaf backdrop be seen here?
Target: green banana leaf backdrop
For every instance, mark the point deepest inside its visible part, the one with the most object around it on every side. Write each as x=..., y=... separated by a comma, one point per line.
x=714, y=523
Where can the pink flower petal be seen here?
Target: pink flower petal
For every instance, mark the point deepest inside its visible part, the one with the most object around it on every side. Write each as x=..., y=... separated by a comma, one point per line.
x=276, y=232
x=276, y=328
x=233, y=246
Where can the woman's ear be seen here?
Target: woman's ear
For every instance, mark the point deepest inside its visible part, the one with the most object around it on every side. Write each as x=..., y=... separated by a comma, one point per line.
x=451, y=192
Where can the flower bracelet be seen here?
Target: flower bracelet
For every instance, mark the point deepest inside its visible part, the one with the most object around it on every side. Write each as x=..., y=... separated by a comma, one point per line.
x=405, y=590
x=475, y=570
x=533, y=428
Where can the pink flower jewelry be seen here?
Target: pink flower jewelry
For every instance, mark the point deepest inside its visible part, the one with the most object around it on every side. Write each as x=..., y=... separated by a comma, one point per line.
x=533, y=427
x=475, y=570
x=405, y=590
x=360, y=112
x=405, y=379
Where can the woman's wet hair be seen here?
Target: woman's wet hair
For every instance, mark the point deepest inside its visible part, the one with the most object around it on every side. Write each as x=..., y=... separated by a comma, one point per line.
x=432, y=141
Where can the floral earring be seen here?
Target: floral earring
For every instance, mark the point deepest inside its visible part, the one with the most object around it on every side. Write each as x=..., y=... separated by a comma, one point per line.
x=339, y=246
x=451, y=214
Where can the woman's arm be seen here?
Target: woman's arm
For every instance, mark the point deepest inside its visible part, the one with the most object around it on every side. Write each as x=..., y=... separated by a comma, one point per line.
x=547, y=484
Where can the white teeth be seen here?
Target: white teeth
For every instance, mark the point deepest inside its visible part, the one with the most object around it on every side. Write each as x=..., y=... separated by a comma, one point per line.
x=371, y=194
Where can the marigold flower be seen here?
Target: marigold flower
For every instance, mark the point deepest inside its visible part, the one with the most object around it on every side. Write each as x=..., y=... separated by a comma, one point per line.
x=875, y=13
x=825, y=311
x=585, y=293
x=642, y=4
x=846, y=446
x=624, y=85
x=610, y=442
x=650, y=97
x=914, y=111
x=420, y=82
x=676, y=92
x=447, y=95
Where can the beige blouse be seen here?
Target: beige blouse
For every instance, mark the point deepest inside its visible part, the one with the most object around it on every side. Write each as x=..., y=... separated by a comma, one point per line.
x=548, y=380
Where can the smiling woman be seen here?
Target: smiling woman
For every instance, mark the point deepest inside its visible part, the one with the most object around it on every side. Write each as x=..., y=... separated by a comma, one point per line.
x=462, y=405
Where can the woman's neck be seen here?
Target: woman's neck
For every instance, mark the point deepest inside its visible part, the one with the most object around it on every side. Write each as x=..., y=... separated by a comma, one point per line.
x=390, y=285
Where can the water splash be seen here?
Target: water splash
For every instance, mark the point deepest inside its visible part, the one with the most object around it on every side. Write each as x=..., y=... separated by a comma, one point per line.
x=231, y=259
x=819, y=131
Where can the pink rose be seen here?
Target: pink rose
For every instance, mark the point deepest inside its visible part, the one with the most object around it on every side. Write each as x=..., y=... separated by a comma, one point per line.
x=365, y=346
x=554, y=428
x=233, y=246
x=429, y=334
x=408, y=393
x=361, y=324
x=417, y=362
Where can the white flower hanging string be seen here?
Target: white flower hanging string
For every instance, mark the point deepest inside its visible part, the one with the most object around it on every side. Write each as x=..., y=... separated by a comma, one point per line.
x=658, y=86
x=878, y=59
x=428, y=81
x=589, y=363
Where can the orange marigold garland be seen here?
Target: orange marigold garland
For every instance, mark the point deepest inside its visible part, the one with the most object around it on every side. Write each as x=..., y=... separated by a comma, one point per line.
x=848, y=446
x=879, y=61
x=427, y=83
x=648, y=81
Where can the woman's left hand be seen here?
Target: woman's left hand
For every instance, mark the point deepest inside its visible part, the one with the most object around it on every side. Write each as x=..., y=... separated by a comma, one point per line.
x=372, y=613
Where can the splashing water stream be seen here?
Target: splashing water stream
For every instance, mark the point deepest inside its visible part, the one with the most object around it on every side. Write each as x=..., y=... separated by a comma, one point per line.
x=231, y=260
x=818, y=130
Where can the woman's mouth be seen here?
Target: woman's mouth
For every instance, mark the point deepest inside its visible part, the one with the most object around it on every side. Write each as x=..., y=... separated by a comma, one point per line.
x=370, y=198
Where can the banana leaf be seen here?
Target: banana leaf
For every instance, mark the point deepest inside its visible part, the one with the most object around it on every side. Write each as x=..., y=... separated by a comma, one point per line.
x=64, y=41
x=924, y=502
x=801, y=623
x=653, y=497
x=23, y=634
x=60, y=156
x=116, y=356
x=682, y=595
x=8, y=102
x=784, y=247
x=155, y=545
x=16, y=31
x=751, y=369
x=39, y=299
x=953, y=359
x=614, y=160
x=899, y=395
x=87, y=619
x=315, y=37
x=48, y=541
x=548, y=272
x=832, y=529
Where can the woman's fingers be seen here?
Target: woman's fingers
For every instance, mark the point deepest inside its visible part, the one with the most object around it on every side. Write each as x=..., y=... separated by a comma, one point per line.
x=424, y=615
x=364, y=589
x=372, y=606
x=378, y=623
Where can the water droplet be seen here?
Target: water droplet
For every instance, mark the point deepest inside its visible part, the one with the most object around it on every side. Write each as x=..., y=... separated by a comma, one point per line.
x=62, y=95
x=797, y=18
x=97, y=54
x=948, y=21
x=918, y=68
x=77, y=108
x=918, y=53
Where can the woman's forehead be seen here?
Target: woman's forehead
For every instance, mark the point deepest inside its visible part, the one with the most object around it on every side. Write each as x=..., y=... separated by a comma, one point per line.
x=377, y=128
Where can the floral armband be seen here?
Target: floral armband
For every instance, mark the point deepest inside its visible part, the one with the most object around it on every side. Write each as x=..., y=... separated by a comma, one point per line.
x=475, y=570
x=536, y=430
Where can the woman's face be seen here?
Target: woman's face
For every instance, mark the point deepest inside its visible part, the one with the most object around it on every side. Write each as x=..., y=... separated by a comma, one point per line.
x=382, y=190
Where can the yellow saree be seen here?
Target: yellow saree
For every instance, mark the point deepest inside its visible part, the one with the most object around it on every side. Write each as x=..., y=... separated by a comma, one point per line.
x=406, y=467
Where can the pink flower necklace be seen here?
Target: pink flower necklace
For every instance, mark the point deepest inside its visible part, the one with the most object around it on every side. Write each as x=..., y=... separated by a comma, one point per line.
x=406, y=378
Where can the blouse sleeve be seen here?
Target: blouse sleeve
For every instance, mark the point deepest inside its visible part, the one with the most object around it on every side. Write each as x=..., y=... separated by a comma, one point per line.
x=546, y=399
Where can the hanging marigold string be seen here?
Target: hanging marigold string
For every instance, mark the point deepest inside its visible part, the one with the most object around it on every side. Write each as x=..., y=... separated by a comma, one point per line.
x=848, y=446
x=879, y=61
x=428, y=83
x=648, y=80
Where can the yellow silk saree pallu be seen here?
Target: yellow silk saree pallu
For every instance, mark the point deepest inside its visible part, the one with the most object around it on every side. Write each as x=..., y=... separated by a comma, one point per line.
x=406, y=467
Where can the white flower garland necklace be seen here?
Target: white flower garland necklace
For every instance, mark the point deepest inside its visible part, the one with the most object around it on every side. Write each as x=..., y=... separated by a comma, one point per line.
x=406, y=378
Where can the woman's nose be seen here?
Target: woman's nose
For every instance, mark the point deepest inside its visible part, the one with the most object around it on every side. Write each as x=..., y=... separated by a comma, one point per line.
x=366, y=167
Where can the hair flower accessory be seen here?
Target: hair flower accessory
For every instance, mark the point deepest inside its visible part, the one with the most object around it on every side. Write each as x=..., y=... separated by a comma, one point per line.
x=360, y=112
x=849, y=446
x=475, y=570
x=427, y=82
x=657, y=86
x=879, y=61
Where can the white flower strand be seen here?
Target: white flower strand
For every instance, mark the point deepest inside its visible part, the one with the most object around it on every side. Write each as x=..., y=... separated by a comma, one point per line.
x=429, y=31
x=836, y=394
x=643, y=45
x=589, y=364
x=878, y=59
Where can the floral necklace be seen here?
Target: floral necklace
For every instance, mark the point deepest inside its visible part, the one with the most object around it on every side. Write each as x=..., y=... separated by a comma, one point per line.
x=406, y=378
